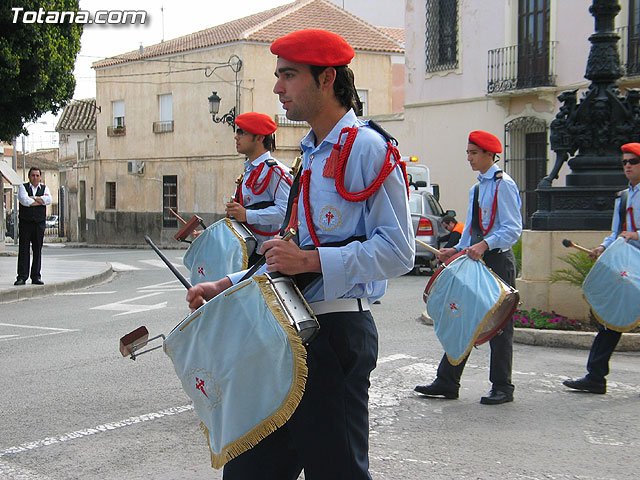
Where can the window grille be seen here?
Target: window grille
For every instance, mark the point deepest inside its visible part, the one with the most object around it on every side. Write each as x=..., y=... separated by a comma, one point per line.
x=110, y=200
x=169, y=200
x=441, y=44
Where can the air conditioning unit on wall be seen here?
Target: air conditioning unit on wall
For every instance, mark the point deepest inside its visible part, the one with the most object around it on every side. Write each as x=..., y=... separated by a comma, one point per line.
x=135, y=167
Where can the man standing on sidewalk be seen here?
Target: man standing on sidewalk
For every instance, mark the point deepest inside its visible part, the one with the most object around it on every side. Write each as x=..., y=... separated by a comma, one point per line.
x=34, y=198
x=625, y=224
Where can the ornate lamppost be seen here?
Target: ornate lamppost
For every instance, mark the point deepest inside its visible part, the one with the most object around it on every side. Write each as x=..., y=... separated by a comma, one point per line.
x=235, y=64
x=595, y=127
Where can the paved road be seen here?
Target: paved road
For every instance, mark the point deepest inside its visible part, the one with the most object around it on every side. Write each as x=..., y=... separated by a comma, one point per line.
x=73, y=408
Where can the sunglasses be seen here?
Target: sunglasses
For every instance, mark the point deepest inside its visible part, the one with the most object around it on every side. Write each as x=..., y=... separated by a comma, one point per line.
x=240, y=132
x=631, y=161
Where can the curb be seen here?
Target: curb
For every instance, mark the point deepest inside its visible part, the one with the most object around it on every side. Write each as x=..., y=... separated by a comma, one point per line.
x=629, y=342
x=27, y=292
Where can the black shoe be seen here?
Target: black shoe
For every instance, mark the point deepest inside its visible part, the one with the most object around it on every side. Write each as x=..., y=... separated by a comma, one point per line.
x=436, y=389
x=496, y=397
x=19, y=281
x=586, y=385
x=37, y=282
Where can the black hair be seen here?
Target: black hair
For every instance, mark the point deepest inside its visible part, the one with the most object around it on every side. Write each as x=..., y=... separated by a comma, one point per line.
x=269, y=142
x=344, y=86
x=448, y=219
x=34, y=168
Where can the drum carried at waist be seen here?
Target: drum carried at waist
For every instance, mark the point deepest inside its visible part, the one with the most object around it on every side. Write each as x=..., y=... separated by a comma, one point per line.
x=469, y=305
x=612, y=287
x=222, y=248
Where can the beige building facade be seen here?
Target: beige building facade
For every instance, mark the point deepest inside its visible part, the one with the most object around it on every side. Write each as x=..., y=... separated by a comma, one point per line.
x=157, y=144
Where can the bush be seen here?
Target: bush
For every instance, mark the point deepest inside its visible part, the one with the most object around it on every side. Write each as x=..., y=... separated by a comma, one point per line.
x=538, y=319
x=517, y=252
x=580, y=264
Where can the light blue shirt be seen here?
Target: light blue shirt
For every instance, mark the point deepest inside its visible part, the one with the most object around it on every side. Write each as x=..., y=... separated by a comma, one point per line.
x=633, y=200
x=267, y=219
x=507, y=227
x=359, y=269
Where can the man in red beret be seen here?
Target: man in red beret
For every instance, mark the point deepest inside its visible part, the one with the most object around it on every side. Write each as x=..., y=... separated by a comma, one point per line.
x=354, y=232
x=261, y=196
x=625, y=224
x=494, y=224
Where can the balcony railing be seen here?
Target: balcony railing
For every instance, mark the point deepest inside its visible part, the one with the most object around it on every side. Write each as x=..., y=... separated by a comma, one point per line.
x=521, y=66
x=163, y=127
x=116, y=131
x=629, y=49
x=283, y=121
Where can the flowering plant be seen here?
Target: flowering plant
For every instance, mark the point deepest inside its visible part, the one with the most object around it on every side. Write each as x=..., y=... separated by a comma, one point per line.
x=538, y=319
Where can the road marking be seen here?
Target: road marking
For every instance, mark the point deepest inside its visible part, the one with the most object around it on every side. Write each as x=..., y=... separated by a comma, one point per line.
x=85, y=293
x=51, y=331
x=7, y=472
x=65, y=437
x=128, y=308
x=122, y=267
x=392, y=358
x=158, y=263
x=170, y=286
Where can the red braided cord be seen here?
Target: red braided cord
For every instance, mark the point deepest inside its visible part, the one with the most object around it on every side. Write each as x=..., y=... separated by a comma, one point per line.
x=260, y=232
x=306, y=179
x=494, y=209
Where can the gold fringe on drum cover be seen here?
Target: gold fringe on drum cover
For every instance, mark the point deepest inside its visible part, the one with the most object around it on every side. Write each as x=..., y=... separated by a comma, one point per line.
x=278, y=418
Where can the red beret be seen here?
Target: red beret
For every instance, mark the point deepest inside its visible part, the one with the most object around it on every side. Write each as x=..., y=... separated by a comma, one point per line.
x=486, y=141
x=256, y=123
x=631, y=148
x=314, y=47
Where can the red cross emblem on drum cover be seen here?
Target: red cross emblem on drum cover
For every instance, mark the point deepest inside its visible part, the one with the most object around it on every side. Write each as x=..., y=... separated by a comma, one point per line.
x=453, y=306
x=200, y=386
x=201, y=271
x=624, y=274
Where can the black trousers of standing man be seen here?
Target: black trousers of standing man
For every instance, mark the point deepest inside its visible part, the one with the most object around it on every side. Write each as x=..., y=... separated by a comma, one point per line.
x=504, y=265
x=31, y=236
x=603, y=346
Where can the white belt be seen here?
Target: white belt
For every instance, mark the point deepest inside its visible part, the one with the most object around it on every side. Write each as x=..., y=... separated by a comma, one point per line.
x=340, y=305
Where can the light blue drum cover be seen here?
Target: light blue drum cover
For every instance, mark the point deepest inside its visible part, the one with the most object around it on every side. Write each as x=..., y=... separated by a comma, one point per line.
x=612, y=287
x=216, y=252
x=242, y=364
x=463, y=297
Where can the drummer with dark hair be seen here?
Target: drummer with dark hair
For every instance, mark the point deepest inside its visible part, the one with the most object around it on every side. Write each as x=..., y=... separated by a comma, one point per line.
x=354, y=232
x=494, y=224
x=625, y=224
x=262, y=192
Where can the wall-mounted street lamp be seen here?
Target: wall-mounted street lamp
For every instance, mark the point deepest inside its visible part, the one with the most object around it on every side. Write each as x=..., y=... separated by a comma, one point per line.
x=235, y=64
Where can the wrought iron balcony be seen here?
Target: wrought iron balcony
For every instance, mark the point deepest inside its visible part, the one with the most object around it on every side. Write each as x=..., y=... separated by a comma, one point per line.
x=116, y=131
x=283, y=121
x=629, y=49
x=522, y=66
x=163, y=126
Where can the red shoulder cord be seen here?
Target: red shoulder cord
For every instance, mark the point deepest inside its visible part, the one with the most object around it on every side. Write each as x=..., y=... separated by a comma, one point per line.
x=633, y=222
x=494, y=209
x=260, y=188
x=341, y=167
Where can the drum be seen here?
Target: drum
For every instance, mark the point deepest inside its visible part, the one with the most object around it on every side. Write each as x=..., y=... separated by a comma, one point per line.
x=240, y=358
x=223, y=247
x=612, y=287
x=469, y=305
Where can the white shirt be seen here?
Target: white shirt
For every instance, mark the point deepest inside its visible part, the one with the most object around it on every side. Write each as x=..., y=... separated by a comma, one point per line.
x=23, y=196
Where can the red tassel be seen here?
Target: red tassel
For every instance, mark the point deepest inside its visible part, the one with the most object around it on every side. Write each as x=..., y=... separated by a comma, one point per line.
x=332, y=163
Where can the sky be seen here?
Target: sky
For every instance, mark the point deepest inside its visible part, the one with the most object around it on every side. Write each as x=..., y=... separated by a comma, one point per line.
x=179, y=17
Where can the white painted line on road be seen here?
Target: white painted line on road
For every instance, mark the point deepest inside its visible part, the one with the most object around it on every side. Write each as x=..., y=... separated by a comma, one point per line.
x=65, y=437
x=122, y=267
x=158, y=263
x=599, y=438
x=170, y=286
x=397, y=356
x=50, y=331
x=128, y=308
x=85, y=293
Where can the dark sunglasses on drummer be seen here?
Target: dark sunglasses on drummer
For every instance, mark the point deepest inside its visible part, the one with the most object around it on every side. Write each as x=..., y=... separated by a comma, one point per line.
x=630, y=161
x=240, y=132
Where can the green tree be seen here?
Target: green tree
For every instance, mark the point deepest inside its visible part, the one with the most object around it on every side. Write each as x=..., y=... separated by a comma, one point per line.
x=36, y=63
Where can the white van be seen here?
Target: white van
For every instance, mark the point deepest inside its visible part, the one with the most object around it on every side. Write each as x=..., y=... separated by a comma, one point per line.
x=419, y=177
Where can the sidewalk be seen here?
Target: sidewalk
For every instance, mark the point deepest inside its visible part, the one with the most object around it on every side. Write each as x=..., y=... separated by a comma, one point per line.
x=58, y=275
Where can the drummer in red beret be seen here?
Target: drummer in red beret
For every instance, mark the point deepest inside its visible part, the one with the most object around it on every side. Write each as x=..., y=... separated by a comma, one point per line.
x=493, y=226
x=354, y=230
x=627, y=207
x=261, y=197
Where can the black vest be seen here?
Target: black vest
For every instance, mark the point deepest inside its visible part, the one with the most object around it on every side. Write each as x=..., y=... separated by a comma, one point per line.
x=33, y=214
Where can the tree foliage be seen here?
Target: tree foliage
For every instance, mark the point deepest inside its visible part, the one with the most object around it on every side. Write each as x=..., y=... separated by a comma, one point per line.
x=36, y=64
x=580, y=264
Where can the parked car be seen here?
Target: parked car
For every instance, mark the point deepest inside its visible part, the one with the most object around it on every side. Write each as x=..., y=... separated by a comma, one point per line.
x=420, y=178
x=51, y=221
x=426, y=215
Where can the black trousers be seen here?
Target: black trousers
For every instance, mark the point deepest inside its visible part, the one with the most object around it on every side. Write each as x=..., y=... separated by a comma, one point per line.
x=31, y=236
x=601, y=350
x=504, y=265
x=328, y=434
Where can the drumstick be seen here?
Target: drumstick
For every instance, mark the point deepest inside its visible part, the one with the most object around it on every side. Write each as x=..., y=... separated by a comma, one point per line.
x=290, y=233
x=568, y=243
x=435, y=251
x=177, y=216
x=175, y=271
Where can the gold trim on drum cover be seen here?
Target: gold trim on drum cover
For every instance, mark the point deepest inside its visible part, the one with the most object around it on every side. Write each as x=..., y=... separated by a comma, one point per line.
x=182, y=327
x=238, y=287
x=245, y=256
x=299, y=379
x=610, y=326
